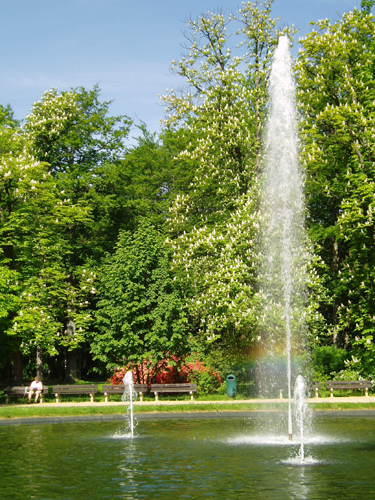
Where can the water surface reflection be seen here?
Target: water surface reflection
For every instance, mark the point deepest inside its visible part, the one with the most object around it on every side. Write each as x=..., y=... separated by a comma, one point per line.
x=195, y=458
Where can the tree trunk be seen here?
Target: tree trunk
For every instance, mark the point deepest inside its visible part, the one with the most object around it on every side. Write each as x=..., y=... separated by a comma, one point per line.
x=71, y=367
x=17, y=366
x=39, y=363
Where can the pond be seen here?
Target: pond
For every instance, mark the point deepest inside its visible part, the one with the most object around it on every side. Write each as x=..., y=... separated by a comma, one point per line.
x=219, y=458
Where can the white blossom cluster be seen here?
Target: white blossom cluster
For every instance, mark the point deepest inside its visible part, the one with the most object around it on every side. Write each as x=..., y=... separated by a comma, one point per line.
x=214, y=227
x=51, y=115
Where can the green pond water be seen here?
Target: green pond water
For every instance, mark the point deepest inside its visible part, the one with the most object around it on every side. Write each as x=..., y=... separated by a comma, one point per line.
x=226, y=458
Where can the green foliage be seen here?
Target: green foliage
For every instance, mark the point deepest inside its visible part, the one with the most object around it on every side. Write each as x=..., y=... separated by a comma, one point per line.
x=206, y=382
x=37, y=293
x=336, y=93
x=7, y=117
x=366, y=5
x=84, y=146
x=347, y=374
x=139, y=314
x=326, y=360
x=213, y=226
x=72, y=131
x=153, y=176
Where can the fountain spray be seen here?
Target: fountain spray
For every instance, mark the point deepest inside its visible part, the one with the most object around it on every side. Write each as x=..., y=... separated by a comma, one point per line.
x=300, y=409
x=283, y=207
x=128, y=395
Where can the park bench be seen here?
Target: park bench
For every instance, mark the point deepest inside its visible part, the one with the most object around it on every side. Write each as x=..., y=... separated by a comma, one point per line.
x=332, y=385
x=119, y=389
x=19, y=391
x=75, y=389
x=316, y=387
x=173, y=388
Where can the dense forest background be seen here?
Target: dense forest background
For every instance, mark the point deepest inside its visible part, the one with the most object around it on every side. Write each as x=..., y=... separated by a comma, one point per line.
x=146, y=255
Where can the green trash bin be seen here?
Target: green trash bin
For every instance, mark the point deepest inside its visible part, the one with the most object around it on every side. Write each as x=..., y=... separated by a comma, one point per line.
x=231, y=386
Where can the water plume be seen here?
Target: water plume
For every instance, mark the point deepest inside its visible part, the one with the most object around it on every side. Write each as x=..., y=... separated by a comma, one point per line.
x=129, y=395
x=282, y=277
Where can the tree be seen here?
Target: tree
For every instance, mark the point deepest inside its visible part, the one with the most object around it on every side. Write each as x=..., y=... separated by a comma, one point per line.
x=213, y=226
x=35, y=218
x=336, y=93
x=84, y=146
x=139, y=312
x=73, y=134
x=45, y=221
x=154, y=176
x=7, y=117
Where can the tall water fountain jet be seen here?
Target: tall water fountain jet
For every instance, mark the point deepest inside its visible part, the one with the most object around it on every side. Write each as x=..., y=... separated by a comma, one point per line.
x=282, y=279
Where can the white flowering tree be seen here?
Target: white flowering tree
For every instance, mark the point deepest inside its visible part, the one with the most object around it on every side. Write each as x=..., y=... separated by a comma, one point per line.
x=37, y=291
x=213, y=227
x=85, y=147
x=72, y=134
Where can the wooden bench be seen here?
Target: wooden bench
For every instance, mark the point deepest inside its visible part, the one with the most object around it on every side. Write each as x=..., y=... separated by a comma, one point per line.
x=175, y=388
x=332, y=385
x=119, y=389
x=316, y=387
x=75, y=389
x=19, y=391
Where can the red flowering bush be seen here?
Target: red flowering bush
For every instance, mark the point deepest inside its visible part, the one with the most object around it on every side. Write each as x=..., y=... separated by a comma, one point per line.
x=171, y=371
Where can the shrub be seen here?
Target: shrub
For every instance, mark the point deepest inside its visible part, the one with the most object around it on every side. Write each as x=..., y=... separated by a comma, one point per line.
x=347, y=375
x=328, y=360
x=171, y=371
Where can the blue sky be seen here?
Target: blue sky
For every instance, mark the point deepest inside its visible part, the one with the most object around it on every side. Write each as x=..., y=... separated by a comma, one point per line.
x=126, y=46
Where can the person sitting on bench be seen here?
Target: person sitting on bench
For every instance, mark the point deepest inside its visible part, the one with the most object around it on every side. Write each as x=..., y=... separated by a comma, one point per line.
x=36, y=387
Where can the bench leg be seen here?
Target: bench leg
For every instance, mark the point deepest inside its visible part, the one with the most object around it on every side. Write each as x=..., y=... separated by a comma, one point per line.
x=57, y=400
x=281, y=394
x=316, y=392
x=42, y=398
x=92, y=398
x=331, y=392
x=366, y=391
x=191, y=395
x=106, y=397
x=8, y=399
x=156, y=396
x=141, y=397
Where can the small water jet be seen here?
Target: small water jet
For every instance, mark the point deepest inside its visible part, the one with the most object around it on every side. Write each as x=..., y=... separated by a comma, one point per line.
x=300, y=411
x=129, y=395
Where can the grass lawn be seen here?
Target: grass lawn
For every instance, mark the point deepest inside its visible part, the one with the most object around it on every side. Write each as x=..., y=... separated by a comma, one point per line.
x=50, y=410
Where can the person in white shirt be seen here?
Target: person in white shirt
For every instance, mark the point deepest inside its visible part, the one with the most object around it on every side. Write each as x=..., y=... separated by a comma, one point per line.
x=36, y=387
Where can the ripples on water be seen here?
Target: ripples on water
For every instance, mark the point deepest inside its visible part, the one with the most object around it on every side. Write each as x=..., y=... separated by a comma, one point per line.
x=192, y=458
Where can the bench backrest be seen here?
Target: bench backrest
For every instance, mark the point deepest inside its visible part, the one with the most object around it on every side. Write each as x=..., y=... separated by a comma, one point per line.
x=20, y=390
x=316, y=385
x=348, y=384
x=173, y=387
x=119, y=389
x=75, y=389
